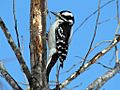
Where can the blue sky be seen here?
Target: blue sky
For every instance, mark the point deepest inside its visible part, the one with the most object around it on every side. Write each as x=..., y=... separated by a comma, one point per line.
x=79, y=44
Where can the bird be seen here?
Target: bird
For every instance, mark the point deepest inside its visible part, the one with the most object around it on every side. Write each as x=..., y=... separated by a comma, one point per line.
x=59, y=37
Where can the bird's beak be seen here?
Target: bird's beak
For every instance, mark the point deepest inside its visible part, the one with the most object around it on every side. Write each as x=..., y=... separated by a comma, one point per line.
x=54, y=13
x=58, y=15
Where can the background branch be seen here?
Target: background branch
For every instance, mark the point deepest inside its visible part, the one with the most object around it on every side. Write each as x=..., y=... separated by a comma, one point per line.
x=88, y=17
x=9, y=78
x=15, y=21
x=99, y=82
x=16, y=51
x=95, y=31
x=88, y=64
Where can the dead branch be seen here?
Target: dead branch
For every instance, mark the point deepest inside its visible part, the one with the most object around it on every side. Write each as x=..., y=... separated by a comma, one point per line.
x=98, y=44
x=103, y=65
x=15, y=21
x=106, y=20
x=16, y=50
x=99, y=82
x=116, y=54
x=88, y=17
x=95, y=31
x=9, y=78
x=88, y=64
x=117, y=6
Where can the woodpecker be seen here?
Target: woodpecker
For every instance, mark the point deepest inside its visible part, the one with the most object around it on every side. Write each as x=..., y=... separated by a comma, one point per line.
x=59, y=37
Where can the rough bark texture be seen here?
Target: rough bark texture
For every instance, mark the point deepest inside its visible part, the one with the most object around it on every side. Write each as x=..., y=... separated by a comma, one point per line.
x=99, y=82
x=9, y=78
x=38, y=44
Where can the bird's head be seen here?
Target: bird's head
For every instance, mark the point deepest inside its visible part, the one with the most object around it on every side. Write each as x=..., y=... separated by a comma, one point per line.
x=65, y=15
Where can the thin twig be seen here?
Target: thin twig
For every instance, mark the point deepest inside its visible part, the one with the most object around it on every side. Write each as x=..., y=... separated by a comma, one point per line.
x=117, y=6
x=113, y=57
x=103, y=65
x=106, y=20
x=76, y=86
x=73, y=66
x=95, y=31
x=22, y=45
x=118, y=26
x=88, y=17
x=98, y=44
x=117, y=14
x=15, y=21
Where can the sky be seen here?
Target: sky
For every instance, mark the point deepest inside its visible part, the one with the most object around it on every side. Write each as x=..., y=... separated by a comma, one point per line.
x=79, y=44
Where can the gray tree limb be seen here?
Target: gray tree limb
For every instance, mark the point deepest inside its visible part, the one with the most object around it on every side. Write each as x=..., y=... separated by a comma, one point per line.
x=16, y=51
x=99, y=82
x=89, y=63
x=9, y=78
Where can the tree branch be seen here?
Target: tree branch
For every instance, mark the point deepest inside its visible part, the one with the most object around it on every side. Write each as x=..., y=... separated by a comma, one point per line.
x=117, y=6
x=95, y=31
x=15, y=21
x=9, y=78
x=88, y=17
x=99, y=82
x=16, y=51
x=88, y=64
x=98, y=44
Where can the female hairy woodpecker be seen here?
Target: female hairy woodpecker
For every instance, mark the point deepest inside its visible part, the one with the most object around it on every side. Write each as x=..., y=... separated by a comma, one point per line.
x=59, y=37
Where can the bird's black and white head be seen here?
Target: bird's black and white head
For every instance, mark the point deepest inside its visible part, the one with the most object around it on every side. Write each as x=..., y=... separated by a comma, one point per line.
x=65, y=16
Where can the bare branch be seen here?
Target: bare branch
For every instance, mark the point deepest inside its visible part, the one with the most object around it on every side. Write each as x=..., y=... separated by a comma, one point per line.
x=117, y=5
x=88, y=64
x=118, y=27
x=15, y=21
x=103, y=65
x=76, y=86
x=95, y=31
x=22, y=44
x=102, y=6
x=9, y=78
x=116, y=53
x=107, y=20
x=98, y=44
x=16, y=51
x=99, y=82
x=73, y=66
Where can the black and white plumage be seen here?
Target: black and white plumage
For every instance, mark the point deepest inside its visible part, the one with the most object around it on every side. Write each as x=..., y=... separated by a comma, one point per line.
x=59, y=37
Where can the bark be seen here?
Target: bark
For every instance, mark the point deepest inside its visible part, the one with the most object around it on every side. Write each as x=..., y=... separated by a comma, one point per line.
x=99, y=82
x=38, y=44
x=9, y=78
x=16, y=51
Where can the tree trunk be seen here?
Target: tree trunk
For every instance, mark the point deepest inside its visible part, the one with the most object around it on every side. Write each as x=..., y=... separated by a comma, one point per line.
x=38, y=44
